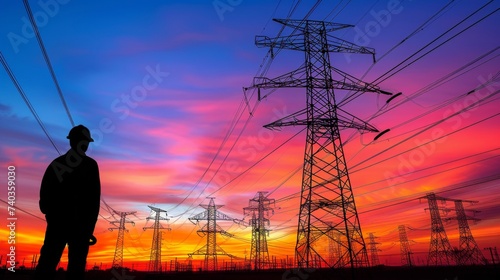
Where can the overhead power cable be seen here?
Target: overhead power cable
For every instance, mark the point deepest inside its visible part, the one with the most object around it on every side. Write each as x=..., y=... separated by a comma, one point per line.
x=431, y=50
x=26, y=100
x=417, y=30
x=466, y=108
x=47, y=60
x=24, y=211
x=400, y=66
x=264, y=67
x=467, y=184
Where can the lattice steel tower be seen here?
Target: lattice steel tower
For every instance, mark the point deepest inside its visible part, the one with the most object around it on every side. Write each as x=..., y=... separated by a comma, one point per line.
x=261, y=208
x=118, y=258
x=326, y=199
x=468, y=251
x=373, y=250
x=440, y=251
x=155, y=257
x=494, y=254
x=404, y=244
x=211, y=250
x=334, y=248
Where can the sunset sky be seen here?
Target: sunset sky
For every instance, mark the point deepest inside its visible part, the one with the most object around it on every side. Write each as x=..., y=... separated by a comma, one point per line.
x=160, y=85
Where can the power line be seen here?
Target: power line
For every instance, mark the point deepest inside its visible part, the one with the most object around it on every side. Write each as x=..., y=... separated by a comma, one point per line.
x=26, y=100
x=431, y=50
x=413, y=33
x=466, y=108
x=47, y=60
x=262, y=70
x=454, y=187
x=433, y=17
x=24, y=211
x=420, y=131
x=382, y=77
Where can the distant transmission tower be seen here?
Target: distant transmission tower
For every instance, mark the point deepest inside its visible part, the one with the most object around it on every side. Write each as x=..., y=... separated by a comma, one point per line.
x=494, y=254
x=373, y=250
x=326, y=194
x=34, y=261
x=334, y=248
x=261, y=208
x=406, y=259
x=211, y=250
x=118, y=258
x=440, y=251
x=155, y=258
x=468, y=251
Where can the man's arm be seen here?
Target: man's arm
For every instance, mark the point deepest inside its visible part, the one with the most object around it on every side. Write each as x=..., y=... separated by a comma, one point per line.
x=98, y=192
x=95, y=199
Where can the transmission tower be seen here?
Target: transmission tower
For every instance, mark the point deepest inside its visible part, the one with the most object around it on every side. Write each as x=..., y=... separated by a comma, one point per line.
x=211, y=250
x=440, y=251
x=261, y=208
x=155, y=258
x=468, y=251
x=334, y=248
x=494, y=254
x=373, y=250
x=406, y=259
x=34, y=261
x=118, y=258
x=326, y=193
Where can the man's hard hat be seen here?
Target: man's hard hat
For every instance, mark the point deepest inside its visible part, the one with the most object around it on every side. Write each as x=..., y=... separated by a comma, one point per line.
x=80, y=132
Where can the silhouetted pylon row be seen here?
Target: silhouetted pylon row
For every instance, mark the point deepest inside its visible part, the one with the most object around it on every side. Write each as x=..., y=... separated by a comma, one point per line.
x=374, y=259
x=406, y=258
x=155, y=258
x=211, y=250
x=118, y=258
x=260, y=208
x=440, y=250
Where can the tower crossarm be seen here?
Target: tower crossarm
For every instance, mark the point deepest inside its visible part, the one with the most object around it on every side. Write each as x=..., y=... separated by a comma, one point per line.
x=201, y=251
x=344, y=120
x=437, y=197
x=297, y=79
x=222, y=217
x=296, y=41
x=464, y=217
x=199, y=217
x=205, y=229
x=156, y=209
x=299, y=24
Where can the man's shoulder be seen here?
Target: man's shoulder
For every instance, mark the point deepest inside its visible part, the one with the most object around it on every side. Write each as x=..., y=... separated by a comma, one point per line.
x=90, y=161
x=70, y=160
x=59, y=159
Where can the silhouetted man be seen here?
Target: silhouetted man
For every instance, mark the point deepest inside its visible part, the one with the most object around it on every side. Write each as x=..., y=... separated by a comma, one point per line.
x=70, y=199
